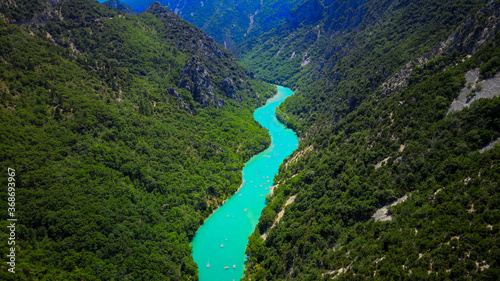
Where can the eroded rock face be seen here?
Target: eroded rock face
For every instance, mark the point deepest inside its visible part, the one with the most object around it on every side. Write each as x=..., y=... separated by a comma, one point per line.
x=195, y=78
x=195, y=41
x=471, y=35
x=182, y=104
x=476, y=89
x=227, y=86
x=209, y=74
x=383, y=213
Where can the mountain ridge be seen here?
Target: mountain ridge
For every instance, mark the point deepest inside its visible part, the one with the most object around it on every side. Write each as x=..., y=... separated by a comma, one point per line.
x=228, y=22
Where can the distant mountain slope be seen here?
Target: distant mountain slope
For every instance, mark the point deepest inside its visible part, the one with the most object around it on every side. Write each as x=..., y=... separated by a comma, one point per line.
x=372, y=106
x=125, y=132
x=323, y=52
x=228, y=22
x=120, y=6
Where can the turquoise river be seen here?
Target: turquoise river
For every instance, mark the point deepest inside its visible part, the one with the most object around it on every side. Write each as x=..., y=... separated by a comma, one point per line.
x=219, y=245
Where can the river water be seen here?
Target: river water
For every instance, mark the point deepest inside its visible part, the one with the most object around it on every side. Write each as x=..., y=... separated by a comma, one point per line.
x=221, y=240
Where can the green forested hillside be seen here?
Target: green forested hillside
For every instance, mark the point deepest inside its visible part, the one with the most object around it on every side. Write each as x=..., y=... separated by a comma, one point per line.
x=126, y=131
x=117, y=162
x=350, y=55
x=375, y=126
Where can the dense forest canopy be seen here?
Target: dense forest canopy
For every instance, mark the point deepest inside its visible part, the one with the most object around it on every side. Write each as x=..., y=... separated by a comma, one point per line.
x=125, y=133
x=375, y=83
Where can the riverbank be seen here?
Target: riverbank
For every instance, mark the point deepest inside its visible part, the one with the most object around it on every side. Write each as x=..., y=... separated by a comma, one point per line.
x=219, y=245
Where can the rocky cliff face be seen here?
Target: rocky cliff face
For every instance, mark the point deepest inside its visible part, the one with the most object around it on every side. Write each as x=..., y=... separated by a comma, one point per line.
x=196, y=41
x=182, y=104
x=209, y=74
x=472, y=34
x=227, y=86
x=195, y=78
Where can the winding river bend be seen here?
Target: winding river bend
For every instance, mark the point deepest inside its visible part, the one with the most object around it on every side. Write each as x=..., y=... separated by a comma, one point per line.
x=221, y=240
